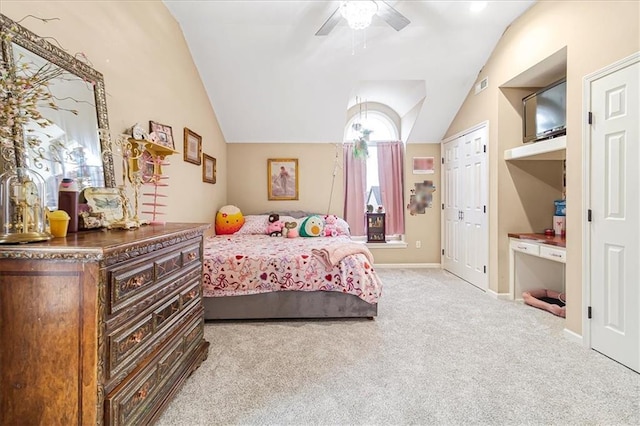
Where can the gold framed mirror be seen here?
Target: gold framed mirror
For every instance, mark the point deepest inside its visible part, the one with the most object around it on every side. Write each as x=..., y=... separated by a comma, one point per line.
x=70, y=147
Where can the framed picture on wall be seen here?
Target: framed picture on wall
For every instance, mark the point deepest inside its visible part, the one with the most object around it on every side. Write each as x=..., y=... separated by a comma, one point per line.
x=423, y=165
x=208, y=169
x=161, y=134
x=192, y=147
x=282, y=178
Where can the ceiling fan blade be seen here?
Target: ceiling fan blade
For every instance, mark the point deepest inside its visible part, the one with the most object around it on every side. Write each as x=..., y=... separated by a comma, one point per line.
x=330, y=23
x=391, y=16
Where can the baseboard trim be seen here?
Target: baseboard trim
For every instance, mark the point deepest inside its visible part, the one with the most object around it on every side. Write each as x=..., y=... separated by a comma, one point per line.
x=499, y=296
x=573, y=336
x=407, y=265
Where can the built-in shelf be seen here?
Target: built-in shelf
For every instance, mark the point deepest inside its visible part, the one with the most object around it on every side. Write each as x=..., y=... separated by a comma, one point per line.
x=550, y=149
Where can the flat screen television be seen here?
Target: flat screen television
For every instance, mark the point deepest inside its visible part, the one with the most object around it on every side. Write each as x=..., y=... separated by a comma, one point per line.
x=545, y=113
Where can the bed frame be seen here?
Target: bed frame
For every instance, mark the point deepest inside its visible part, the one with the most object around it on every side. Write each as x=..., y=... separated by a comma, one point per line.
x=288, y=304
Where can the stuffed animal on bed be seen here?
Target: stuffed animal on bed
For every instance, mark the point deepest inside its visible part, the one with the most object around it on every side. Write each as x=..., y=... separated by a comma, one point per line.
x=292, y=232
x=229, y=220
x=312, y=226
x=331, y=225
x=275, y=226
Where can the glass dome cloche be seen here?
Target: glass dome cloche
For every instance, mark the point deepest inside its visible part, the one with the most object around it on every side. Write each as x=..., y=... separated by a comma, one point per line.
x=23, y=214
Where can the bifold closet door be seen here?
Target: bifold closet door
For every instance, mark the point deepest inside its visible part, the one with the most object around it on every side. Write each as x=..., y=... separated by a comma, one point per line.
x=465, y=227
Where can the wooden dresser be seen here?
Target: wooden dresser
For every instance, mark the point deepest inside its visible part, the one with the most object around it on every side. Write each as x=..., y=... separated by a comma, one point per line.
x=100, y=327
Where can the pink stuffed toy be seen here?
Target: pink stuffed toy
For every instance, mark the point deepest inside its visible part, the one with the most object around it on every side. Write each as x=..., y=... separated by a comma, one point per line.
x=275, y=226
x=331, y=225
x=292, y=232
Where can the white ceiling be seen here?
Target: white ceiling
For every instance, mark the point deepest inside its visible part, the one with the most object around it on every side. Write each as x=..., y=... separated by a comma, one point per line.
x=270, y=79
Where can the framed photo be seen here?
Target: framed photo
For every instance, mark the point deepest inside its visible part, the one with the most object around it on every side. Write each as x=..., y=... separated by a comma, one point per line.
x=106, y=201
x=282, y=178
x=423, y=165
x=208, y=169
x=162, y=134
x=192, y=147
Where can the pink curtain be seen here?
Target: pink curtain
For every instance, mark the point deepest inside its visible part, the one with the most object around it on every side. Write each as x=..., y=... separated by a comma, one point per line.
x=391, y=177
x=355, y=181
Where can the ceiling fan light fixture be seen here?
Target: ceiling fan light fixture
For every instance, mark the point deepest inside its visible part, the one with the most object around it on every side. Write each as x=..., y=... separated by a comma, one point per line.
x=358, y=13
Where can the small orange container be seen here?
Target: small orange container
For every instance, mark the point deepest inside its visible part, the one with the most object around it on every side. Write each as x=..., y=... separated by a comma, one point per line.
x=59, y=223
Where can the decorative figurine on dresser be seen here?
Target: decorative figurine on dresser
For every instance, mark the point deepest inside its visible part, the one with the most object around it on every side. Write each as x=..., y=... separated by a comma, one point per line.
x=98, y=327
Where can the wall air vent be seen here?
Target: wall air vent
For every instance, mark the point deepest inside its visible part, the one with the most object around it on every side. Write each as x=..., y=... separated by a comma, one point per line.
x=482, y=84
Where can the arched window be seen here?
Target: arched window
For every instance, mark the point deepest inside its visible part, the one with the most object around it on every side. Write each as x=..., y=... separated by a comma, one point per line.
x=381, y=128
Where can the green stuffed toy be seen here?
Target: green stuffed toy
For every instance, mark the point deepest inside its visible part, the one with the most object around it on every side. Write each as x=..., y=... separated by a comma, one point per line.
x=312, y=226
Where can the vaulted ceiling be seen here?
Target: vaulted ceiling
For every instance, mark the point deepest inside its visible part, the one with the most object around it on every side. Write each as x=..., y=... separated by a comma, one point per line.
x=271, y=79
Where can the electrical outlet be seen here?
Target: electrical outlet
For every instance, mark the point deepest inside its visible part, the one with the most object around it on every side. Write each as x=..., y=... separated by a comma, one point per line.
x=418, y=244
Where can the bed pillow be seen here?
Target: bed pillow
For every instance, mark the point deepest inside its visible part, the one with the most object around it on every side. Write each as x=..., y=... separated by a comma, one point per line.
x=254, y=225
x=229, y=220
x=343, y=227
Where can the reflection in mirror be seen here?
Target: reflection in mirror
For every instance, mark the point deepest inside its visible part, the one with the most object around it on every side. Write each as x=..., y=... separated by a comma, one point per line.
x=69, y=145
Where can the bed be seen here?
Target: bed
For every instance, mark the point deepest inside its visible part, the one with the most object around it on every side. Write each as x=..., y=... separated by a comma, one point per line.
x=250, y=275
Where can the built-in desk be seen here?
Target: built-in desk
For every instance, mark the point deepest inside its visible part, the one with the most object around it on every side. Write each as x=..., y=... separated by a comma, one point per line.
x=536, y=261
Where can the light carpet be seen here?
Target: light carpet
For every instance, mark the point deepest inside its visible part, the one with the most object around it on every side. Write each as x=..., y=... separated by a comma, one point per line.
x=440, y=352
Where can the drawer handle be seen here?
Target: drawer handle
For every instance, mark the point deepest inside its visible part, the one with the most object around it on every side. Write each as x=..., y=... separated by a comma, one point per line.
x=142, y=393
x=190, y=296
x=191, y=256
x=556, y=255
x=137, y=336
x=135, y=282
x=523, y=247
x=133, y=339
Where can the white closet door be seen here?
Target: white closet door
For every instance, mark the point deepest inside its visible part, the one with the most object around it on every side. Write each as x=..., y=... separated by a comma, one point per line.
x=465, y=229
x=474, y=205
x=615, y=205
x=452, y=206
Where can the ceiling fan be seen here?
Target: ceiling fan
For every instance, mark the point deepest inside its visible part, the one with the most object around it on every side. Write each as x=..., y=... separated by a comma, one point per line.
x=380, y=8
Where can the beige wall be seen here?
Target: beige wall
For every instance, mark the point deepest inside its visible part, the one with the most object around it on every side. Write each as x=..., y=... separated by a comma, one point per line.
x=421, y=227
x=595, y=33
x=247, y=186
x=247, y=189
x=149, y=75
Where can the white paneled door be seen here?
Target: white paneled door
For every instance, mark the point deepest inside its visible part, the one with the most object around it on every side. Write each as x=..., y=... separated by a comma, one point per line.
x=615, y=215
x=465, y=230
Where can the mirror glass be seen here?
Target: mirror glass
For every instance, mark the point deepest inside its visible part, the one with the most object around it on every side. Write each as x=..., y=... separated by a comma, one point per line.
x=69, y=147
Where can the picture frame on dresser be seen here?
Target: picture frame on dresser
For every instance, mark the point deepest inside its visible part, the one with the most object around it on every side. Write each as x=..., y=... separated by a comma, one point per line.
x=106, y=201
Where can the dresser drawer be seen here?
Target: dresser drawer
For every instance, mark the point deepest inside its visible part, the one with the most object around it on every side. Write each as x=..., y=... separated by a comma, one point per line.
x=133, y=400
x=178, y=282
x=553, y=253
x=521, y=246
x=134, y=339
x=135, y=280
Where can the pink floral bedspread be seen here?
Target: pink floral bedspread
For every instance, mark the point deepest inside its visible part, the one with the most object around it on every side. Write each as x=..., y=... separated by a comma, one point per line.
x=248, y=264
